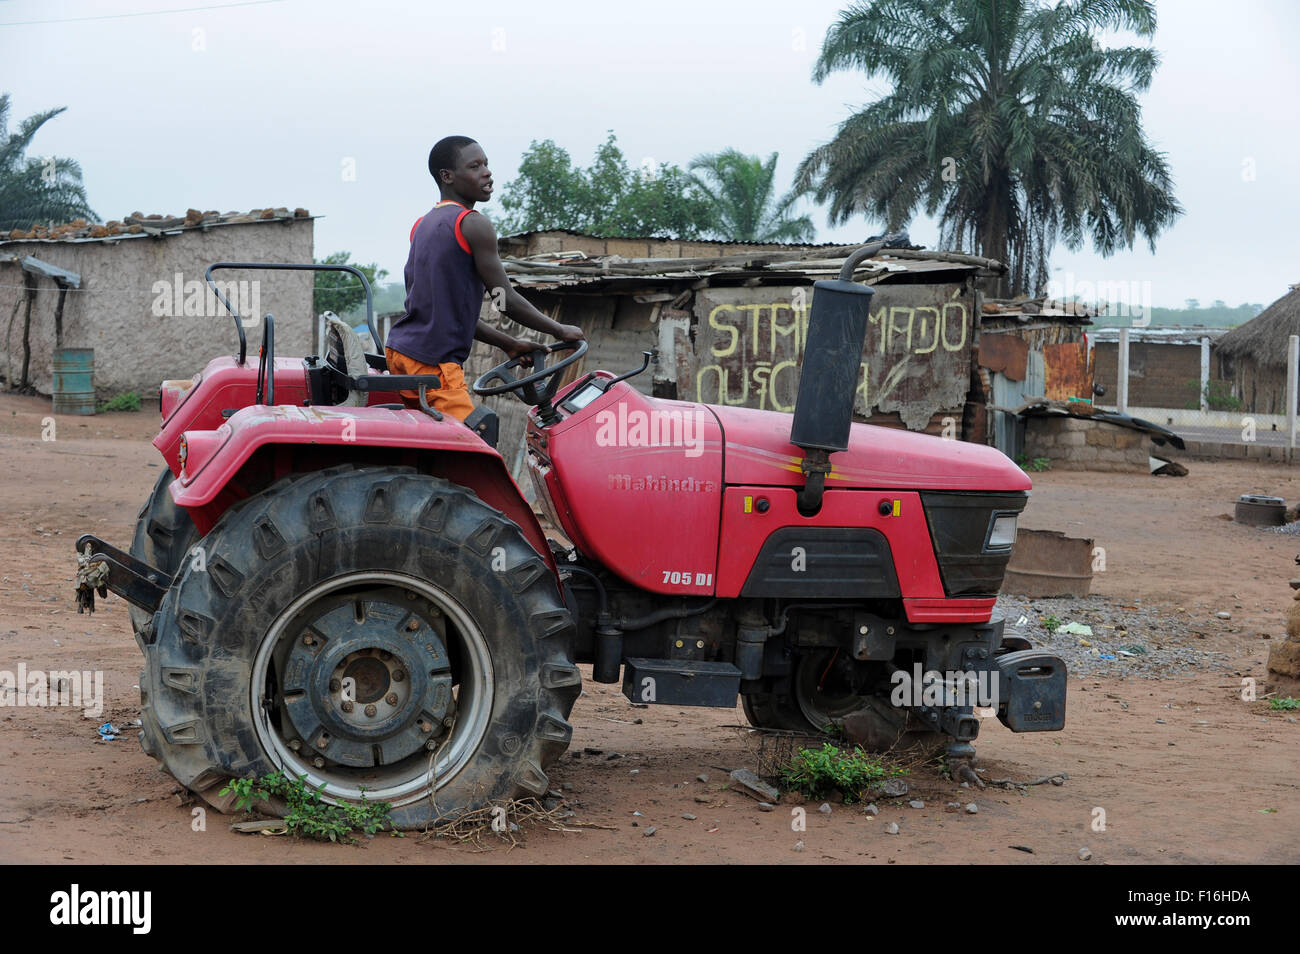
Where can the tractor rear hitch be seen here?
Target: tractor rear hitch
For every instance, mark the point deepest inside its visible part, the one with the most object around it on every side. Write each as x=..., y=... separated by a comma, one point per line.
x=102, y=567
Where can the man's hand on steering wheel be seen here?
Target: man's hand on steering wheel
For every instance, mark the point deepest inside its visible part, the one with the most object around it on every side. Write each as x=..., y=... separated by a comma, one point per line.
x=523, y=350
x=570, y=333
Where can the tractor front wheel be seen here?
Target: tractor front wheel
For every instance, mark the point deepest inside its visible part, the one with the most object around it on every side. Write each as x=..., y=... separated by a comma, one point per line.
x=818, y=697
x=380, y=633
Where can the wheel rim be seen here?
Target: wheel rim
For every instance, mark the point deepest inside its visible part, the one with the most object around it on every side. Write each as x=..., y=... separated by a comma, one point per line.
x=402, y=642
x=822, y=698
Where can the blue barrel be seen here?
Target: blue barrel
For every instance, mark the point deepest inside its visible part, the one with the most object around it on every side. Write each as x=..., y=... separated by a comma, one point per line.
x=73, y=370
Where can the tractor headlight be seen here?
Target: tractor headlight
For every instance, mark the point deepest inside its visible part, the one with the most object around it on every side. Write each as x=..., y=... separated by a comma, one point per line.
x=1002, y=532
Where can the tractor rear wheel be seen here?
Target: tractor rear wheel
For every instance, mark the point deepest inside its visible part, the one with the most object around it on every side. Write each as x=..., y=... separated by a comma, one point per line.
x=164, y=533
x=376, y=631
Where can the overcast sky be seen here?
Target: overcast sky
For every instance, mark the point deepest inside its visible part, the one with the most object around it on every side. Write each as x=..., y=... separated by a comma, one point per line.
x=273, y=103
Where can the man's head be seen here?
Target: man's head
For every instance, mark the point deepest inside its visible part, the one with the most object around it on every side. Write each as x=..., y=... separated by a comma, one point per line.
x=460, y=168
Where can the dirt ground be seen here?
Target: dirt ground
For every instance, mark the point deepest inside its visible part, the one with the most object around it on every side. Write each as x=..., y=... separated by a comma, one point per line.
x=1181, y=770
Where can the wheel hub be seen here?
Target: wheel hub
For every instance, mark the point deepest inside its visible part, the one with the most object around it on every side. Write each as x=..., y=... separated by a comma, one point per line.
x=368, y=683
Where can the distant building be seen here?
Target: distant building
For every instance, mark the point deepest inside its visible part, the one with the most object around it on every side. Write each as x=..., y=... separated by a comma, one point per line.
x=137, y=295
x=729, y=320
x=1164, y=365
x=1252, y=358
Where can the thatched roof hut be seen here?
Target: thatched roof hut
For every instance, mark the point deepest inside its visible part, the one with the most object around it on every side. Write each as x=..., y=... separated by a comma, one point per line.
x=1263, y=339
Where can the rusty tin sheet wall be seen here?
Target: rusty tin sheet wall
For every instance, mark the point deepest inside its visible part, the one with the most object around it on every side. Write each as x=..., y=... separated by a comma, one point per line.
x=748, y=347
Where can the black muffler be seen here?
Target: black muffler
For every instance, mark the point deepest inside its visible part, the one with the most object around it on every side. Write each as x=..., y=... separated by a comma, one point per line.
x=837, y=330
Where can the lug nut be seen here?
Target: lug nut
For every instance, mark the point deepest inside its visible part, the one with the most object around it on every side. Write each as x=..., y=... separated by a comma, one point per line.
x=413, y=625
x=448, y=721
x=309, y=640
x=391, y=698
x=399, y=675
x=426, y=725
x=318, y=762
x=431, y=745
x=335, y=685
x=295, y=744
x=347, y=707
x=371, y=710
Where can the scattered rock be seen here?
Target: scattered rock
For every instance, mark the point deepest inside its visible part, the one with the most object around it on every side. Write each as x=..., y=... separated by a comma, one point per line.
x=916, y=803
x=824, y=808
x=649, y=831
x=590, y=751
x=688, y=816
x=634, y=772
x=893, y=788
x=613, y=755
x=766, y=807
x=1223, y=614
x=952, y=807
x=891, y=828
x=701, y=777
x=1085, y=854
x=972, y=809
x=871, y=810
x=798, y=846
x=754, y=786
x=703, y=799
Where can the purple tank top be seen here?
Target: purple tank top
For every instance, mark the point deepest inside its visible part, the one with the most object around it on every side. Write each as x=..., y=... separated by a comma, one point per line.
x=444, y=293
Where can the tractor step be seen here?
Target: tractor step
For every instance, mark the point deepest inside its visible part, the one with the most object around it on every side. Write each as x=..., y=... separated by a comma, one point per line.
x=678, y=682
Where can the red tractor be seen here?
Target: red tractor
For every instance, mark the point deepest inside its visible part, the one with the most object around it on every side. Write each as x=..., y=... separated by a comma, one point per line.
x=331, y=584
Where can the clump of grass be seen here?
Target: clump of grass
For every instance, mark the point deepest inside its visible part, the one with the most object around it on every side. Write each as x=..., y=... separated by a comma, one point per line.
x=1051, y=623
x=126, y=401
x=1283, y=703
x=308, y=815
x=816, y=773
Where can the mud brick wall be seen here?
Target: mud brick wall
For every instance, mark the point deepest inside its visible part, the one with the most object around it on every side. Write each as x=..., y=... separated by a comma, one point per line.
x=1160, y=375
x=114, y=311
x=1073, y=443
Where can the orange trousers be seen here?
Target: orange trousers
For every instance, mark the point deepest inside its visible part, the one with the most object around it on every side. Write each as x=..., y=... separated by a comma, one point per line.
x=452, y=398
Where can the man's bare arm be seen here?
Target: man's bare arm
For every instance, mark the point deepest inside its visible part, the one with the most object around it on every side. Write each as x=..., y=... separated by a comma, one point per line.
x=482, y=238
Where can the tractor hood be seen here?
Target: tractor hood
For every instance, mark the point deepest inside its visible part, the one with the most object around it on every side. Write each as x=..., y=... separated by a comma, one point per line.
x=759, y=452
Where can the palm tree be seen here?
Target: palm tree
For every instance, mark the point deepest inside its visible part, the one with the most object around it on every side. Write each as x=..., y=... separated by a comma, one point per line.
x=1006, y=119
x=39, y=190
x=738, y=191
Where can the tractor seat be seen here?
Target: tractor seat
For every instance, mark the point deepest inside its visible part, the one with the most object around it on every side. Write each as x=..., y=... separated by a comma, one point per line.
x=347, y=359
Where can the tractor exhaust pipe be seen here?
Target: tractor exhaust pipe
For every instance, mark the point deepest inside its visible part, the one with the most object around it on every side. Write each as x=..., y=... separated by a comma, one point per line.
x=823, y=409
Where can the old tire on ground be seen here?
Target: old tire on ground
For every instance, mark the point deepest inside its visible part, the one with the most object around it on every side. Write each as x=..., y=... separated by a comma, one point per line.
x=807, y=703
x=445, y=620
x=164, y=533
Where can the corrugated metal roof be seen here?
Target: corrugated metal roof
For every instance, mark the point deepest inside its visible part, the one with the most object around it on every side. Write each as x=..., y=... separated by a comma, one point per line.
x=144, y=226
x=617, y=274
x=1167, y=335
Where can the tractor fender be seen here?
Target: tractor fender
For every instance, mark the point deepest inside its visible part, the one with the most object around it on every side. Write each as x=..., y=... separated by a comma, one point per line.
x=214, y=458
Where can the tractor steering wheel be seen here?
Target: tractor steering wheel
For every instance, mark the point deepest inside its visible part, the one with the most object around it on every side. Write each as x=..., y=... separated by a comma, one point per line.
x=526, y=387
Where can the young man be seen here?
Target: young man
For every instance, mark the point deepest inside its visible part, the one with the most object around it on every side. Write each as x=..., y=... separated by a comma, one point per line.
x=453, y=259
